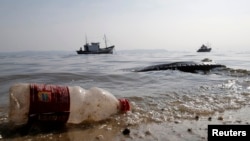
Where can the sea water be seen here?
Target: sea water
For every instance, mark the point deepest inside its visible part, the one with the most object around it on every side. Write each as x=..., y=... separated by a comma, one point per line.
x=156, y=96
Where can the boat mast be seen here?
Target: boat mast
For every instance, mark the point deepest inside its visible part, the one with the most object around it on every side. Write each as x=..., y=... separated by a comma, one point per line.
x=86, y=39
x=105, y=40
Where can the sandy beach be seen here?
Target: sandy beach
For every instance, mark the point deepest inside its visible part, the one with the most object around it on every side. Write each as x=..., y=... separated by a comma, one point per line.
x=174, y=130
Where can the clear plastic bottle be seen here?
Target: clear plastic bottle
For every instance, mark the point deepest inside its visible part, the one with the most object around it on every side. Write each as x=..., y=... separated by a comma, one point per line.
x=68, y=104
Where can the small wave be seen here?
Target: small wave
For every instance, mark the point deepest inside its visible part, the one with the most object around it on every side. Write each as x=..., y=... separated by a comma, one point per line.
x=170, y=107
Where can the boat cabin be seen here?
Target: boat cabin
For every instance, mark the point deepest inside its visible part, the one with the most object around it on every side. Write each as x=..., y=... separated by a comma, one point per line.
x=94, y=47
x=203, y=46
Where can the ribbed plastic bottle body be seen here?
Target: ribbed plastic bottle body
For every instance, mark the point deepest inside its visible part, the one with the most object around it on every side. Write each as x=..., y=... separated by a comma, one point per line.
x=94, y=104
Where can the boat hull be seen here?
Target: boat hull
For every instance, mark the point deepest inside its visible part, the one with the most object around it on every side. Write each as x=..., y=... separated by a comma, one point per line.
x=108, y=50
x=204, y=50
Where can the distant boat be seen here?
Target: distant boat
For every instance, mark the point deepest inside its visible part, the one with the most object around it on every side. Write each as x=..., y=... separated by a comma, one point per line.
x=204, y=48
x=94, y=48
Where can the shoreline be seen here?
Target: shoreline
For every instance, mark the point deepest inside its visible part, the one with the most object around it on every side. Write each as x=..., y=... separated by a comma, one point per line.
x=176, y=130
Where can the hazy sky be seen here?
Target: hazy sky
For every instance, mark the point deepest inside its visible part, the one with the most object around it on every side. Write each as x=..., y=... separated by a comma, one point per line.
x=128, y=24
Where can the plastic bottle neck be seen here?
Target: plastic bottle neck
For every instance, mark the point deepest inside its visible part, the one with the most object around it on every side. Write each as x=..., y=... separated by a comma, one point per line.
x=124, y=105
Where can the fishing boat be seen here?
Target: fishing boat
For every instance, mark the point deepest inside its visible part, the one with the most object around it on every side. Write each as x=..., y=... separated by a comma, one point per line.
x=94, y=48
x=204, y=48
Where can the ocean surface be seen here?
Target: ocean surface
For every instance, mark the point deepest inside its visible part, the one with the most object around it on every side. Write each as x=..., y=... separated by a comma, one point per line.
x=156, y=96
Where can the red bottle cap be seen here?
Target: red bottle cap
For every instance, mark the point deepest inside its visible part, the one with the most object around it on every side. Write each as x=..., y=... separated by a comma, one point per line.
x=125, y=106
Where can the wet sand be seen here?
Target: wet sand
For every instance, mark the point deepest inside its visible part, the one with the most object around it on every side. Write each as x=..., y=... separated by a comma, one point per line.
x=187, y=130
x=174, y=130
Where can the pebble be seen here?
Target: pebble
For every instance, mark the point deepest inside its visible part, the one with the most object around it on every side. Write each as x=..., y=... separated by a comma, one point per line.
x=220, y=118
x=109, y=128
x=238, y=121
x=148, y=132
x=100, y=137
x=126, y=131
x=177, y=121
x=196, y=117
